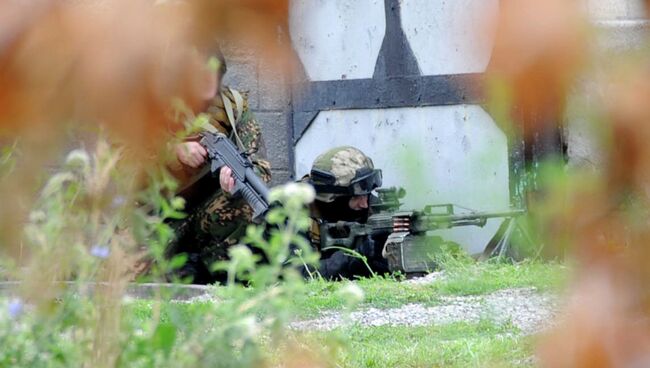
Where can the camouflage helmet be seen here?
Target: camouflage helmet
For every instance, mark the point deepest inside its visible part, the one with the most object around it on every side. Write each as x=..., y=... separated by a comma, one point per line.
x=343, y=171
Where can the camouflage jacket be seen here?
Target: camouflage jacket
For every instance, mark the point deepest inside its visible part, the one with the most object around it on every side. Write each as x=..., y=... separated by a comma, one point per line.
x=220, y=220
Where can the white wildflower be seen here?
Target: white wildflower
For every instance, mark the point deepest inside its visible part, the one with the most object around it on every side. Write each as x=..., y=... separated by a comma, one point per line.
x=242, y=256
x=352, y=294
x=304, y=193
x=37, y=216
x=250, y=328
x=78, y=159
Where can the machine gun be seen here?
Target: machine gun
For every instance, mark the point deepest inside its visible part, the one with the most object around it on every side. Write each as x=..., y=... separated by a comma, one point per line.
x=222, y=152
x=407, y=247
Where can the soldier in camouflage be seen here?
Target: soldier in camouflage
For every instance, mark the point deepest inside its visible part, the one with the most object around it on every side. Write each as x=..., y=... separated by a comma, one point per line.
x=218, y=220
x=344, y=178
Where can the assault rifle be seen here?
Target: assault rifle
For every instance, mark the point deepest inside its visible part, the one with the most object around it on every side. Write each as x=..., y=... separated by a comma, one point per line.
x=407, y=247
x=222, y=152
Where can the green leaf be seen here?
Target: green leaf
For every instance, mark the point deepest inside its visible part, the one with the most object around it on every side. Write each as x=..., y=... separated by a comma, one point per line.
x=164, y=337
x=178, y=261
x=178, y=203
x=275, y=216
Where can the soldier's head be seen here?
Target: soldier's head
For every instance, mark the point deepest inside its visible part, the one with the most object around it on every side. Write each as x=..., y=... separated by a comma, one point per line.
x=216, y=61
x=215, y=68
x=345, y=173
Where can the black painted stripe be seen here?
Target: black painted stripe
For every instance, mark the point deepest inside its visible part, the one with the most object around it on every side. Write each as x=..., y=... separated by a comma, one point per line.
x=395, y=56
x=409, y=91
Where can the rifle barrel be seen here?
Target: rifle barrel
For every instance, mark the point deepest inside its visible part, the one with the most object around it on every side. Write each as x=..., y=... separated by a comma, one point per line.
x=442, y=221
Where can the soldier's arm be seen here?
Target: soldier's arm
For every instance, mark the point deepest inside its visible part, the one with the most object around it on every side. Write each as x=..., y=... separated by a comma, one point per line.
x=250, y=134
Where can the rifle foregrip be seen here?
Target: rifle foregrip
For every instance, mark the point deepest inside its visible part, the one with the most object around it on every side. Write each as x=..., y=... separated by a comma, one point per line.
x=257, y=184
x=257, y=204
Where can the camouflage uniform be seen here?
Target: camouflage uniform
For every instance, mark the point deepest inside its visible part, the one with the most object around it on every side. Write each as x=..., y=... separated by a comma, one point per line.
x=337, y=175
x=220, y=220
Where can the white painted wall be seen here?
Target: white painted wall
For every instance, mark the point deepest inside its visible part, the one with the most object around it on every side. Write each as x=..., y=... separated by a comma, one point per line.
x=616, y=9
x=449, y=36
x=442, y=154
x=337, y=39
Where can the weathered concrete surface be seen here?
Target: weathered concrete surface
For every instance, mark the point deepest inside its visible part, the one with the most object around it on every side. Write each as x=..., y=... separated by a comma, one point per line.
x=137, y=291
x=615, y=9
x=337, y=39
x=449, y=37
x=269, y=99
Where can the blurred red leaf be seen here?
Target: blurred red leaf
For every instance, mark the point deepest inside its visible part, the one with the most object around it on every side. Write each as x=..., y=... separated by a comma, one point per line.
x=540, y=47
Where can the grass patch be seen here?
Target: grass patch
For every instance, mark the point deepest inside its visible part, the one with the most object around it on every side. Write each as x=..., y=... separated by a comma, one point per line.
x=485, y=278
x=181, y=314
x=386, y=292
x=380, y=292
x=453, y=345
x=469, y=279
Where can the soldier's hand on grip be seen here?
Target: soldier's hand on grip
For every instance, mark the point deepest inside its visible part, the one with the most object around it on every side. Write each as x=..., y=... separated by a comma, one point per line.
x=192, y=154
x=226, y=180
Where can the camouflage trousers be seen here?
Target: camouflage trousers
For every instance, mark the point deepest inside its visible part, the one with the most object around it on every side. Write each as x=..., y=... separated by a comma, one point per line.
x=207, y=234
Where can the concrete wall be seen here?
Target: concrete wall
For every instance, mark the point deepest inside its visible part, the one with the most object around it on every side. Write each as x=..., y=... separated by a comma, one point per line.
x=446, y=36
x=269, y=99
x=616, y=9
x=337, y=39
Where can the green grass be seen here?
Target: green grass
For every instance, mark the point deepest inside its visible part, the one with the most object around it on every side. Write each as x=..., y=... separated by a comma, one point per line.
x=178, y=313
x=470, y=279
x=453, y=345
x=484, y=278
x=458, y=345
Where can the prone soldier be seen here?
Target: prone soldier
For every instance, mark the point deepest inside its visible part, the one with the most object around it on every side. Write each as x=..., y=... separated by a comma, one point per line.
x=344, y=178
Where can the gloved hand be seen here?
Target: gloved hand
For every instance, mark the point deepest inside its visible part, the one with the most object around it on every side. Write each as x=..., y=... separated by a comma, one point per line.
x=365, y=246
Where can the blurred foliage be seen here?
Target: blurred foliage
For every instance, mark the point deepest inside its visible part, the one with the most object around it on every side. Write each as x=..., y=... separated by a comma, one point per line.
x=111, y=66
x=86, y=221
x=110, y=72
x=116, y=68
x=549, y=72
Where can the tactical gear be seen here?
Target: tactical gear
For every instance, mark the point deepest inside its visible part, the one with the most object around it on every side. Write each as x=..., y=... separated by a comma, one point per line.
x=339, y=264
x=343, y=171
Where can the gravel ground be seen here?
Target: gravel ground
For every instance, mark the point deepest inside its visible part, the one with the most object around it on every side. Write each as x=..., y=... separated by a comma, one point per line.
x=526, y=308
x=426, y=279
